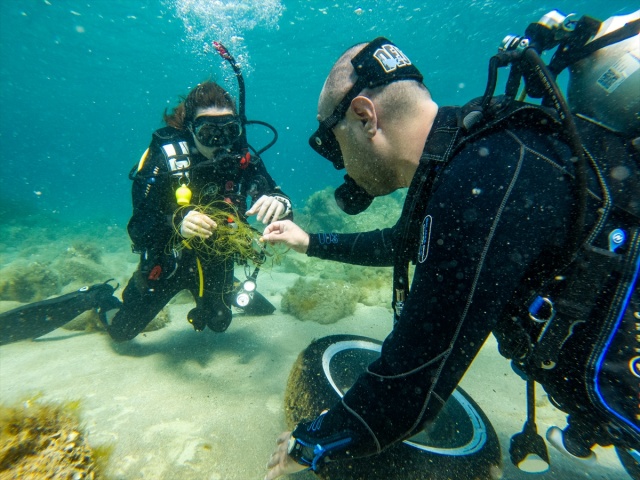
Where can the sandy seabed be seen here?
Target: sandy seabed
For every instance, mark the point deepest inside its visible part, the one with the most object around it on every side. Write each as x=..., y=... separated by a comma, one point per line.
x=180, y=404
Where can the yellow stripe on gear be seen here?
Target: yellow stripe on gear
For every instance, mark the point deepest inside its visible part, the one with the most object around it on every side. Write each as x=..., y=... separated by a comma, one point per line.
x=200, y=278
x=200, y=271
x=143, y=158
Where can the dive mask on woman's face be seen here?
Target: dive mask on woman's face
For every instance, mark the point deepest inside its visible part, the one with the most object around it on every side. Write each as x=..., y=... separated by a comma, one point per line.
x=216, y=131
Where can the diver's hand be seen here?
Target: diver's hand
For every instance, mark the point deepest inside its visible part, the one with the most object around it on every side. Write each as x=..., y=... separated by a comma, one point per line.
x=197, y=224
x=268, y=209
x=287, y=232
x=280, y=462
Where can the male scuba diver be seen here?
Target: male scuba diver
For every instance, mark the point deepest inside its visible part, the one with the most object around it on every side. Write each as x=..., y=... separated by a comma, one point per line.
x=521, y=219
x=200, y=159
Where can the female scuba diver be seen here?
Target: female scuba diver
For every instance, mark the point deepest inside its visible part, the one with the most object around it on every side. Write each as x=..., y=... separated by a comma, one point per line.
x=190, y=192
x=199, y=160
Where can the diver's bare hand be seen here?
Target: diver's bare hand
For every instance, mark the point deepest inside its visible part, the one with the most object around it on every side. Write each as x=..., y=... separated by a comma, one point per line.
x=288, y=233
x=268, y=209
x=280, y=462
x=197, y=224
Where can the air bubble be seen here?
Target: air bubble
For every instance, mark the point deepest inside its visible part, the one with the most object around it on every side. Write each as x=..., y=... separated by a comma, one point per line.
x=226, y=21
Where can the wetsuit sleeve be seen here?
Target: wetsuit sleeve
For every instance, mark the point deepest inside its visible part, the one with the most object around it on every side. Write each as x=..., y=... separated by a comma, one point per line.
x=372, y=249
x=495, y=208
x=150, y=226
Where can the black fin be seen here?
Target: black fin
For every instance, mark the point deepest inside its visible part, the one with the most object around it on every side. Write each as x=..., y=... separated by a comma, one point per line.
x=259, y=305
x=37, y=319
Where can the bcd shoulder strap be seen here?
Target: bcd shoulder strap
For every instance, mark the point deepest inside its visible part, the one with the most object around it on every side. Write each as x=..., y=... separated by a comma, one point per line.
x=453, y=128
x=176, y=155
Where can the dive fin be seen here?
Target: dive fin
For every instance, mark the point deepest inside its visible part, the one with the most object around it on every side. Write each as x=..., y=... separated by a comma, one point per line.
x=39, y=318
x=259, y=305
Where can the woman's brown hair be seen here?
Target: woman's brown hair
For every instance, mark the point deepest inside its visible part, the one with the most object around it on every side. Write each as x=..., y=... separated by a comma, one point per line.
x=205, y=95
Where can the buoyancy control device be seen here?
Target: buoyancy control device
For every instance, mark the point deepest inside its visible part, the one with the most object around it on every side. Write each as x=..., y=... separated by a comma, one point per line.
x=574, y=328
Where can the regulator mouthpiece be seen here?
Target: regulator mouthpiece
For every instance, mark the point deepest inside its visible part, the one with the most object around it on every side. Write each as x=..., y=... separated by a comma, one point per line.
x=351, y=198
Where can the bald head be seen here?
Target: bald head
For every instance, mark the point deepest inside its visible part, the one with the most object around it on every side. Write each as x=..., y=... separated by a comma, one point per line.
x=340, y=79
x=393, y=98
x=375, y=115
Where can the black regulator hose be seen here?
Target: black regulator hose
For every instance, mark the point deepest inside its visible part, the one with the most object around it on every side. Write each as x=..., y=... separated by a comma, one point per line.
x=270, y=127
x=554, y=96
x=494, y=63
x=224, y=53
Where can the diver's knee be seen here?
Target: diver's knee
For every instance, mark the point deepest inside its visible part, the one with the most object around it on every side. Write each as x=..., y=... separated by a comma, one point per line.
x=217, y=318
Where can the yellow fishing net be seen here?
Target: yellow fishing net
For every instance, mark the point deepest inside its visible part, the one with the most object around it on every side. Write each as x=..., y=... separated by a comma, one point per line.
x=232, y=238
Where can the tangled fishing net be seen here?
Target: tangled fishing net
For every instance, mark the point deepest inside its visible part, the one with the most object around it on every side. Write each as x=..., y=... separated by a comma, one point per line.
x=233, y=238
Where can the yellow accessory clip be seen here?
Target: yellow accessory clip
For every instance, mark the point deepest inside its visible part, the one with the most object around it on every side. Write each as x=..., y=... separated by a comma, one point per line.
x=183, y=195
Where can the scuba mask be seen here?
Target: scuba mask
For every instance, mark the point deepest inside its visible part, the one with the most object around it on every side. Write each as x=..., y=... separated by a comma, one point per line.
x=217, y=131
x=379, y=63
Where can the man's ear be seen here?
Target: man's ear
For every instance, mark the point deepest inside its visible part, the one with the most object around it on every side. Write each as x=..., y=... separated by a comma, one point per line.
x=365, y=110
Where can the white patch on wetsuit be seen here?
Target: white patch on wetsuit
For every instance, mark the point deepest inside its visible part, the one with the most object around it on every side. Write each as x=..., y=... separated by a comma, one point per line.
x=177, y=161
x=425, y=239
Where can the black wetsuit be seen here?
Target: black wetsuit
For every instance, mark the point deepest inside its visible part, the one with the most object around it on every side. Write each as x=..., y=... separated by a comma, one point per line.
x=497, y=205
x=163, y=271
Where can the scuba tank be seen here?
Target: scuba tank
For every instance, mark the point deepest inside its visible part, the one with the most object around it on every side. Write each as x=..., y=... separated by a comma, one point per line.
x=574, y=327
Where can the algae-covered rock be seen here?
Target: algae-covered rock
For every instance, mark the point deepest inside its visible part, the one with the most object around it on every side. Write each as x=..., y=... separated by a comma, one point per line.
x=296, y=263
x=24, y=281
x=373, y=283
x=330, y=299
x=322, y=214
x=46, y=441
x=84, y=248
x=320, y=301
x=79, y=271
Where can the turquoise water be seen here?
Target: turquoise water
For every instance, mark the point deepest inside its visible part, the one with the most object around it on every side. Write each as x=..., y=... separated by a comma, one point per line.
x=84, y=84
x=82, y=87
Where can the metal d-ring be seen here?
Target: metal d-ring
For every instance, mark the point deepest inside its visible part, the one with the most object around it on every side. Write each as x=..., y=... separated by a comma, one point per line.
x=551, y=309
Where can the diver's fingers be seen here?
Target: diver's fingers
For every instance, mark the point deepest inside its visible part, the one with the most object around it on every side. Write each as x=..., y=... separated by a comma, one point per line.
x=283, y=437
x=199, y=219
x=196, y=223
x=280, y=463
x=287, y=232
x=266, y=214
x=200, y=230
x=189, y=231
x=256, y=206
x=202, y=225
x=207, y=221
x=273, y=213
x=275, y=228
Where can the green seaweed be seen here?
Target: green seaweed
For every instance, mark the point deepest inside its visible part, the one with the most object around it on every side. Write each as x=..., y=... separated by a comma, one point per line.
x=45, y=440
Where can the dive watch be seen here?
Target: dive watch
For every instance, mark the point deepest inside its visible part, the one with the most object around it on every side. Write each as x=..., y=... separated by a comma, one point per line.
x=301, y=452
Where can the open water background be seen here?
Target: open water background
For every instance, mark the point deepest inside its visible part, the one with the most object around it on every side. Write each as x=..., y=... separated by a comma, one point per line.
x=83, y=84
